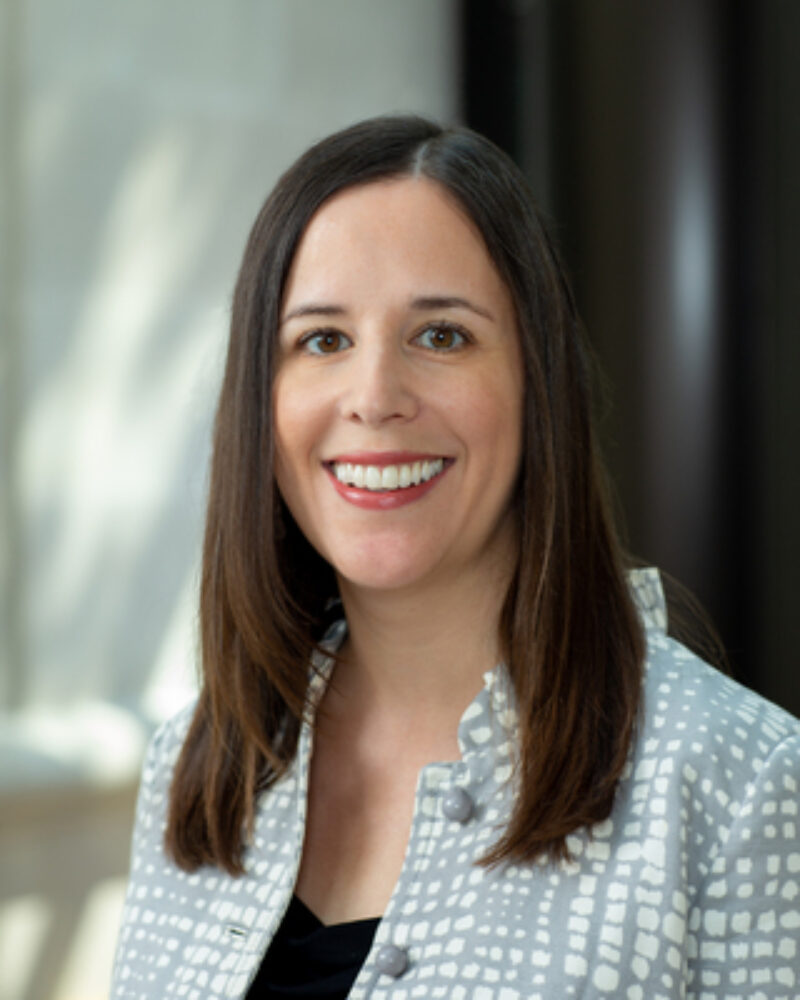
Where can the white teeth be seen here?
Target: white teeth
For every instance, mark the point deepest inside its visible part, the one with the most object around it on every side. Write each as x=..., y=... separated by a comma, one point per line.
x=390, y=477
x=387, y=477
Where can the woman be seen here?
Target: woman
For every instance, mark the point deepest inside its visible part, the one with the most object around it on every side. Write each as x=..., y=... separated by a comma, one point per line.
x=520, y=786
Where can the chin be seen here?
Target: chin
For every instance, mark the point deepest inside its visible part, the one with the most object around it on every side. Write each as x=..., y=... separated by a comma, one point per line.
x=385, y=568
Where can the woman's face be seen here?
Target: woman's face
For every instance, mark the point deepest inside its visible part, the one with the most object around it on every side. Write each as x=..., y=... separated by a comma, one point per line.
x=398, y=389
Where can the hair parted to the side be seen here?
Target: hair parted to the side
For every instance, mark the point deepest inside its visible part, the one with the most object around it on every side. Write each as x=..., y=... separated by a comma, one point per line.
x=569, y=632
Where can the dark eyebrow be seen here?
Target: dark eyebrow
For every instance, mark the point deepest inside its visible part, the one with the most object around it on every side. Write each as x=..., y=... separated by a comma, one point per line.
x=449, y=302
x=313, y=309
x=421, y=302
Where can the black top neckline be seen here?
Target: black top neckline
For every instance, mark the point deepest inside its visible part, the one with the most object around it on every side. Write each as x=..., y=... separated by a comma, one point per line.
x=308, y=958
x=302, y=907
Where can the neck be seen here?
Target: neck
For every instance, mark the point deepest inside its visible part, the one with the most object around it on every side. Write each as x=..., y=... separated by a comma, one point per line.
x=423, y=651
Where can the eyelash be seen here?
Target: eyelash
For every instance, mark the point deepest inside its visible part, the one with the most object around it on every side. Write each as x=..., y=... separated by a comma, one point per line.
x=315, y=336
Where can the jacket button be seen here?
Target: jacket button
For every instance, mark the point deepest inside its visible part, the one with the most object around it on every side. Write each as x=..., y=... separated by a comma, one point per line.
x=457, y=805
x=391, y=960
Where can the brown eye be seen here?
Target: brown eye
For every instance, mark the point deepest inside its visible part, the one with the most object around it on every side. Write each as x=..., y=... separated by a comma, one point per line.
x=325, y=342
x=442, y=338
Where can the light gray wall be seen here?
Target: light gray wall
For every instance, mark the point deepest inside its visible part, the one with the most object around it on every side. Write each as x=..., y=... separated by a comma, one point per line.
x=147, y=136
x=138, y=141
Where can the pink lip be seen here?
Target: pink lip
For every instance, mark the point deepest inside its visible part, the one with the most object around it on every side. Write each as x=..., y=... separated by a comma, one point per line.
x=386, y=499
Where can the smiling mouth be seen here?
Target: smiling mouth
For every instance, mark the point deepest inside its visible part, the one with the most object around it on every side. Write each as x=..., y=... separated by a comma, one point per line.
x=380, y=479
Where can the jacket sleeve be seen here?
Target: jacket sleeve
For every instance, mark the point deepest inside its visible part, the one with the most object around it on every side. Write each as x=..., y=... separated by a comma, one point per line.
x=744, y=929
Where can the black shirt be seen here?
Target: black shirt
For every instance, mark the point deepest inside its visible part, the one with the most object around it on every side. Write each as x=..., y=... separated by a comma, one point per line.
x=309, y=959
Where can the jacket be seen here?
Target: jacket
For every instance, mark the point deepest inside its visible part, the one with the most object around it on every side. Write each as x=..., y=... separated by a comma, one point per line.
x=691, y=888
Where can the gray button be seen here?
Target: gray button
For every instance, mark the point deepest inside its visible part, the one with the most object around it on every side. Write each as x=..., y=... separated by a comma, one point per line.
x=457, y=805
x=391, y=960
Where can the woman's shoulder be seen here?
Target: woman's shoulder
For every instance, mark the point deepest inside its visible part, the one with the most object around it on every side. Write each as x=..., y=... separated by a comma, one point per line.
x=166, y=742
x=699, y=718
x=708, y=721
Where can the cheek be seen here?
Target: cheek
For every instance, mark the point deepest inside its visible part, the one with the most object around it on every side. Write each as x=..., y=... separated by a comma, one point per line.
x=489, y=413
x=301, y=421
x=293, y=414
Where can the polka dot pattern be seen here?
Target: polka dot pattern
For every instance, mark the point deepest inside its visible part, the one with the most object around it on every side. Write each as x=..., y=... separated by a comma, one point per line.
x=690, y=889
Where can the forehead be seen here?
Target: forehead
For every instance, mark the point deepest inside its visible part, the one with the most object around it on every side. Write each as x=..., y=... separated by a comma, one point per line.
x=388, y=234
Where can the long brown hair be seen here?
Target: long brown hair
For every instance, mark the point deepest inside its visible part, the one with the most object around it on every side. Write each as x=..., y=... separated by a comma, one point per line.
x=570, y=634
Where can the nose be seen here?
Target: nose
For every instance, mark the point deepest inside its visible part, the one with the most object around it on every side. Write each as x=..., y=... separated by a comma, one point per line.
x=379, y=387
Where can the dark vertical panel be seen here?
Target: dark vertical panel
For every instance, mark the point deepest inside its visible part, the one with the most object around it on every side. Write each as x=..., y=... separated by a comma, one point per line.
x=774, y=267
x=642, y=182
x=686, y=516
x=506, y=55
x=598, y=183
x=490, y=92
x=535, y=144
x=666, y=139
x=741, y=371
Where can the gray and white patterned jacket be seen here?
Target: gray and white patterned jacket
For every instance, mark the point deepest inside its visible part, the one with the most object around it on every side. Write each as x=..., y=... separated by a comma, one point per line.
x=690, y=888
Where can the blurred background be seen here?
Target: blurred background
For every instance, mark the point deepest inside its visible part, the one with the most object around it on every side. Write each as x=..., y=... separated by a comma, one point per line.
x=137, y=142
